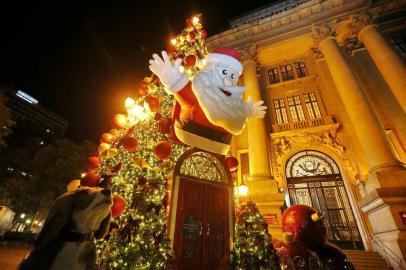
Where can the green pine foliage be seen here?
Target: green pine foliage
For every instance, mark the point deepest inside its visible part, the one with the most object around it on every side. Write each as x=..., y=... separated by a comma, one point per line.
x=253, y=249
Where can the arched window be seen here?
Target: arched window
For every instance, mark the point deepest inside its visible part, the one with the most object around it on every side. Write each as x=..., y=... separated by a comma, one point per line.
x=310, y=163
x=204, y=166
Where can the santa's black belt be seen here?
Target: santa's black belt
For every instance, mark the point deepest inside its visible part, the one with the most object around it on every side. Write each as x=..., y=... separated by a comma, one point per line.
x=203, y=131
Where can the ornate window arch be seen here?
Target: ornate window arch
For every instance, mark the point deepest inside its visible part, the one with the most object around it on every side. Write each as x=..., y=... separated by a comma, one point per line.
x=202, y=165
x=310, y=163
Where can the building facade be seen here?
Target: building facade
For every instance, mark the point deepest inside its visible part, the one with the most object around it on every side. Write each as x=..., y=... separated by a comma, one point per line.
x=333, y=75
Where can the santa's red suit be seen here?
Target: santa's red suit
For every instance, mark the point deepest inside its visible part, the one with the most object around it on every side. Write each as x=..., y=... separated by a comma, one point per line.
x=192, y=127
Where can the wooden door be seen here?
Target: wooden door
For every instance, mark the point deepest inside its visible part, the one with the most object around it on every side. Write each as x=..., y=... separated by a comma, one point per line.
x=202, y=226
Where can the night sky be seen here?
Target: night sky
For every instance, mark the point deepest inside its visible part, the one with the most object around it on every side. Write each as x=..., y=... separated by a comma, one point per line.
x=82, y=59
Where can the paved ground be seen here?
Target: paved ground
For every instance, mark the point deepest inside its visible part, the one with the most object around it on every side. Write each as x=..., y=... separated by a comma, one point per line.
x=12, y=254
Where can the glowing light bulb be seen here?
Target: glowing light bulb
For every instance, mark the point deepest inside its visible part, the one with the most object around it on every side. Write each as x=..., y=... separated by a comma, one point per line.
x=135, y=110
x=242, y=190
x=195, y=20
x=173, y=41
x=129, y=102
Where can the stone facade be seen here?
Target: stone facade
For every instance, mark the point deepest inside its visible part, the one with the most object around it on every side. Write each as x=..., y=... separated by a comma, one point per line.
x=333, y=75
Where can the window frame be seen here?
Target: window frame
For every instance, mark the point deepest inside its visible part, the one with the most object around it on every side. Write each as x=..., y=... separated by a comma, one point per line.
x=312, y=105
x=296, y=109
x=280, y=111
x=287, y=72
x=301, y=69
x=274, y=77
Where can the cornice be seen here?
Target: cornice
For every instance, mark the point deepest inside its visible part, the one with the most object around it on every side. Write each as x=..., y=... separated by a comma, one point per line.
x=316, y=13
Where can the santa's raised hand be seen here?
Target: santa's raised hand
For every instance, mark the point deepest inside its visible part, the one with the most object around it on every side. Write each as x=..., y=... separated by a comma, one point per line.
x=169, y=74
x=255, y=110
x=210, y=107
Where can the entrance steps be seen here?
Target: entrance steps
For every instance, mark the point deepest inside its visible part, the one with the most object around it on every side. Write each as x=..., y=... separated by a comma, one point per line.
x=367, y=260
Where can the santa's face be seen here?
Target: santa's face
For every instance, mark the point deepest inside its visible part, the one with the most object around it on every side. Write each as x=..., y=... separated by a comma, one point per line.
x=216, y=90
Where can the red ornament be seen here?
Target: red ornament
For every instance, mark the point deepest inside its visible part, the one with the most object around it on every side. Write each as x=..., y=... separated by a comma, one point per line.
x=157, y=116
x=305, y=224
x=129, y=143
x=192, y=36
x=119, y=121
x=106, y=138
x=153, y=103
x=164, y=125
x=190, y=60
x=189, y=22
x=203, y=32
x=143, y=89
x=231, y=163
x=118, y=205
x=163, y=150
x=93, y=162
x=90, y=180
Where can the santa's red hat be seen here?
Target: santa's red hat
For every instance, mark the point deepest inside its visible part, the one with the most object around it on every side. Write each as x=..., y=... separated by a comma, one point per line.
x=225, y=55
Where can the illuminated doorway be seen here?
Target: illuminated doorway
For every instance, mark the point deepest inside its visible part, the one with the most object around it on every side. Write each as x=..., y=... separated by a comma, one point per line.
x=314, y=179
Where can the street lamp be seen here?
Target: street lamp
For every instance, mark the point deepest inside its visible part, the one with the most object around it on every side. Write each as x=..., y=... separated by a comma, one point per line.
x=242, y=190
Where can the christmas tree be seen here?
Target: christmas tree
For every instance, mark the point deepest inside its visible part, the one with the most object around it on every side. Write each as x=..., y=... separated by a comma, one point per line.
x=136, y=159
x=253, y=247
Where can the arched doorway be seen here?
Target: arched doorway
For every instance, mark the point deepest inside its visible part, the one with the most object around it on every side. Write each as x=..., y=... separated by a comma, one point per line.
x=314, y=179
x=201, y=212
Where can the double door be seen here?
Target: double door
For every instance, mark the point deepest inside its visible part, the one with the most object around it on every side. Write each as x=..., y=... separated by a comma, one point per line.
x=202, y=234
x=329, y=196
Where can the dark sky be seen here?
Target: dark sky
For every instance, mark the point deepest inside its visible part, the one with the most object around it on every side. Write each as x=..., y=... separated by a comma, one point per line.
x=81, y=59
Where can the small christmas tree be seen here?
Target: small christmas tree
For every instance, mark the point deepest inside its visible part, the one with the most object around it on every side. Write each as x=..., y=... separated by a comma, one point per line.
x=136, y=160
x=253, y=247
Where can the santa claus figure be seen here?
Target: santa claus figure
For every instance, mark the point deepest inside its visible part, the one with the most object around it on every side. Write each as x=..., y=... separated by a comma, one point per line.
x=210, y=108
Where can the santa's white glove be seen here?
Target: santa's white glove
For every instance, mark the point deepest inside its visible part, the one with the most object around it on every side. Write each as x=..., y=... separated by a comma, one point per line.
x=255, y=110
x=169, y=74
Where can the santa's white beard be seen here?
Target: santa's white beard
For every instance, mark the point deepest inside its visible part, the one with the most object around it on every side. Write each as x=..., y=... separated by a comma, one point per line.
x=228, y=112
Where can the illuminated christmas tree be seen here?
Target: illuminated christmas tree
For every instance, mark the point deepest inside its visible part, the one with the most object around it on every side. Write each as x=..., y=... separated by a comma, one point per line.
x=253, y=247
x=136, y=159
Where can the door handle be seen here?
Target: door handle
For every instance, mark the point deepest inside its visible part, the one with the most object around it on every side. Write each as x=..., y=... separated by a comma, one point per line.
x=201, y=228
x=208, y=229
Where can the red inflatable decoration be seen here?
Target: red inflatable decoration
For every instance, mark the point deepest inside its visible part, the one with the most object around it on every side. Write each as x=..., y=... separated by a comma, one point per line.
x=305, y=224
x=119, y=121
x=93, y=162
x=118, y=206
x=231, y=163
x=163, y=150
x=90, y=180
x=129, y=143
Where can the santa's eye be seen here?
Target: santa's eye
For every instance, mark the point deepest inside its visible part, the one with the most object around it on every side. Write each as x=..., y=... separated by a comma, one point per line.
x=232, y=76
x=224, y=72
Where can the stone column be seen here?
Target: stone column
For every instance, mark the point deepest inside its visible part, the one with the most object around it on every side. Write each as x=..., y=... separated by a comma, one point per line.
x=391, y=66
x=387, y=179
x=366, y=126
x=262, y=186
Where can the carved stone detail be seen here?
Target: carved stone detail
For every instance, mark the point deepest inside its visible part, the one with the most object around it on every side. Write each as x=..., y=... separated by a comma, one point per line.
x=321, y=32
x=248, y=53
x=283, y=145
x=357, y=22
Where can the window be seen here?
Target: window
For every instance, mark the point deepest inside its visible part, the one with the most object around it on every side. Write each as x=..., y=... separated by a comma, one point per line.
x=280, y=111
x=312, y=106
x=301, y=69
x=296, y=109
x=273, y=75
x=399, y=43
x=287, y=73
